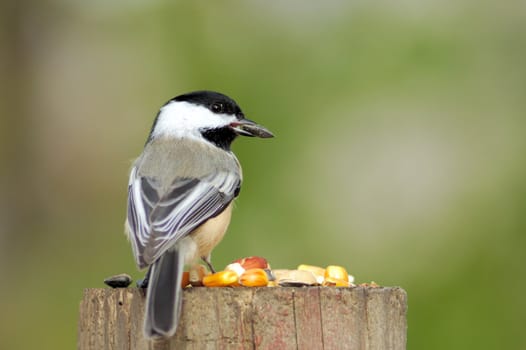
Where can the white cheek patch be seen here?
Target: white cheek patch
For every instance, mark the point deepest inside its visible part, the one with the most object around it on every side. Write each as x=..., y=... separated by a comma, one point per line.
x=186, y=119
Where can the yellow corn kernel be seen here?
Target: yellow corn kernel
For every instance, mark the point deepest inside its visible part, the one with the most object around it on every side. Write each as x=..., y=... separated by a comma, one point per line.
x=337, y=273
x=335, y=282
x=254, y=278
x=221, y=279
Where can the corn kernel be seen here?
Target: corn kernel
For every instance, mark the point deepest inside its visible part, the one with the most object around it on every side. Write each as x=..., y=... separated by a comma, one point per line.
x=236, y=267
x=335, y=282
x=254, y=278
x=221, y=279
x=337, y=273
x=253, y=262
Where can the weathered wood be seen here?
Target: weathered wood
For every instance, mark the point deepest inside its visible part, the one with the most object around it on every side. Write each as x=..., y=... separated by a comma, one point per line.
x=252, y=318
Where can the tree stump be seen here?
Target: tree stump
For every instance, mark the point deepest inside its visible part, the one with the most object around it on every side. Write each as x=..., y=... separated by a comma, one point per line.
x=252, y=318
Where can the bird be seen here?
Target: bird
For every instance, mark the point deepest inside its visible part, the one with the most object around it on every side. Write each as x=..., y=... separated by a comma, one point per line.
x=180, y=194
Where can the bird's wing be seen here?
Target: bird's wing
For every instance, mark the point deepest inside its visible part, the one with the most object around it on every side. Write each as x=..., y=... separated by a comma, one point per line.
x=157, y=220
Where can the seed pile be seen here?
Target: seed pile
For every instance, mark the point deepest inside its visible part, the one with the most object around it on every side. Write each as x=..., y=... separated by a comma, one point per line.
x=255, y=271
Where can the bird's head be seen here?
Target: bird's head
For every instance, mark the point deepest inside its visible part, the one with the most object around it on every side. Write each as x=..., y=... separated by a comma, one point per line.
x=207, y=115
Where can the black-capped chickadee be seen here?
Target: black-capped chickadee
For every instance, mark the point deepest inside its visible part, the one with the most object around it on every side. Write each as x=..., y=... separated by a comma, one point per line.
x=180, y=195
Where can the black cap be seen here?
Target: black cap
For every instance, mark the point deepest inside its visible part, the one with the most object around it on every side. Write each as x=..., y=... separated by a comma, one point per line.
x=214, y=101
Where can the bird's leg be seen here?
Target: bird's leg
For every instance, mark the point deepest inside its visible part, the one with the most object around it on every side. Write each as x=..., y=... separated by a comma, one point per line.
x=207, y=261
x=144, y=282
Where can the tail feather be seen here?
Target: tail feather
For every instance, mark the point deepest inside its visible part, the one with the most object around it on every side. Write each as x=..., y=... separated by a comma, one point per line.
x=164, y=295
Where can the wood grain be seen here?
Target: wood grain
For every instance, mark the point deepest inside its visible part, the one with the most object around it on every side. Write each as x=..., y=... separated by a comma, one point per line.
x=252, y=318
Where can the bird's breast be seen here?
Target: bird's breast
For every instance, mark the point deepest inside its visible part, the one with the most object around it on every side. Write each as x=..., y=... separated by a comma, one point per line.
x=210, y=233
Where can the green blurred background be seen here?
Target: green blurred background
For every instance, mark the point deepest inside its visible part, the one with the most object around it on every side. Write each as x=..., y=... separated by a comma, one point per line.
x=399, y=151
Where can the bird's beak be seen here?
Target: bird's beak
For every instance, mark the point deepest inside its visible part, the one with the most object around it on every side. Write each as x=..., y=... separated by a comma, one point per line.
x=246, y=127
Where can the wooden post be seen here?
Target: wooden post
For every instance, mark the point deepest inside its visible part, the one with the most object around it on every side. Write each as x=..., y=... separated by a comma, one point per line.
x=252, y=318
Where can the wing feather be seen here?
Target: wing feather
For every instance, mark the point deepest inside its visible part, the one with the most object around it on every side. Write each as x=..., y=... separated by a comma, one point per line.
x=157, y=220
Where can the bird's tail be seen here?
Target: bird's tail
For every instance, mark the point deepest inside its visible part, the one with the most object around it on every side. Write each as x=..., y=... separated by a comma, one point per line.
x=164, y=295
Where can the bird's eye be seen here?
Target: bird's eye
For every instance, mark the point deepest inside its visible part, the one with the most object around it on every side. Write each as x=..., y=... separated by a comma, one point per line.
x=217, y=107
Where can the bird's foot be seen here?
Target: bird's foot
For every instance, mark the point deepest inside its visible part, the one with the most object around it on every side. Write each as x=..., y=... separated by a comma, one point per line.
x=206, y=260
x=143, y=283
